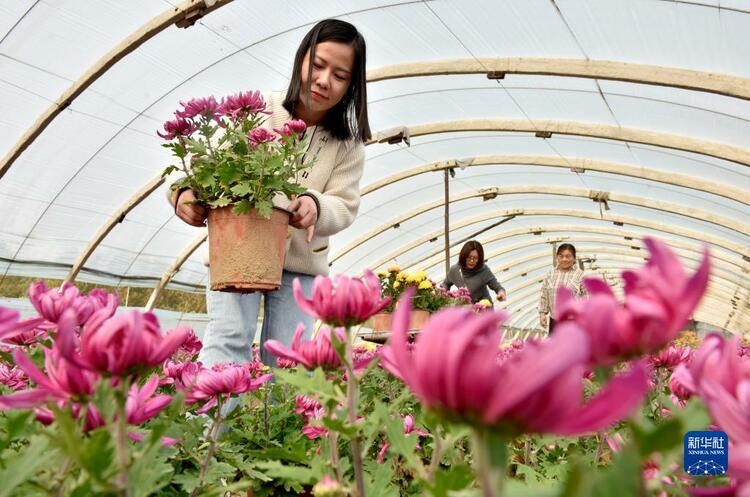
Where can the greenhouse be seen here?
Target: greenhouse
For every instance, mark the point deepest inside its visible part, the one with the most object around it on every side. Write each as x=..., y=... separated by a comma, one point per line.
x=457, y=248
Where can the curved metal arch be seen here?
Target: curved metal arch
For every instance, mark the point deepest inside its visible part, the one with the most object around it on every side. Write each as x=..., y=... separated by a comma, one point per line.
x=524, y=318
x=530, y=296
x=114, y=220
x=731, y=286
x=533, y=286
x=174, y=269
x=728, y=275
x=698, y=4
x=391, y=257
x=721, y=296
x=579, y=192
x=574, y=163
x=721, y=84
x=723, y=318
x=727, y=294
x=664, y=228
x=183, y=15
x=546, y=128
x=695, y=253
x=513, y=303
x=611, y=234
x=545, y=264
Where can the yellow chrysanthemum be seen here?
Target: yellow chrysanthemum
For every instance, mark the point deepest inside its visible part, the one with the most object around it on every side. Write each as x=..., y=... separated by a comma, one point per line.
x=396, y=284
x=485, y=303
x=402, y=276
x=420, y=276
x=425, y=285
x=394, y=269
x=368, y=346
x=411, y=279
x=382, y=274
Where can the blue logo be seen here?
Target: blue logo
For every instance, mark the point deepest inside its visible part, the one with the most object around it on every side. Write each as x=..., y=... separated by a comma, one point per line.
x=706, y=453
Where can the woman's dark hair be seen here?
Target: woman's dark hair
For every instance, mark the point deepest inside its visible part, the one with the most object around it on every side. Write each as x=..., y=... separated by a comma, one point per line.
x=466, y=250
x=566, y=246
x=348, y=118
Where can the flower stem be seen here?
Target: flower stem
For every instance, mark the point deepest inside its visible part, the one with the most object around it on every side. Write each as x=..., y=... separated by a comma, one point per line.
x=599, y=446
x=60, y=479
x=266, y=426
x=333, y=441
x=437, y=454
x=213, y=435
x=351, y=401
x=490, y=459
x=527, y=451
x=120, y=428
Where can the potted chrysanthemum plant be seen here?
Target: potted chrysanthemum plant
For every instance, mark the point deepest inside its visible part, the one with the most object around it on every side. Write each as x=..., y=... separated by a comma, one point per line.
x=235, y=166
x=428, y=298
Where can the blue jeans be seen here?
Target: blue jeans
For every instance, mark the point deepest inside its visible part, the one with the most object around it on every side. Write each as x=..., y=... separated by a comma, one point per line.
x=233, y=321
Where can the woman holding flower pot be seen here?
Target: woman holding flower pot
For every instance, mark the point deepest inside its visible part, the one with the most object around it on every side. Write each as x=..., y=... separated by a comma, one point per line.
x=328, y=93
x=473, y=274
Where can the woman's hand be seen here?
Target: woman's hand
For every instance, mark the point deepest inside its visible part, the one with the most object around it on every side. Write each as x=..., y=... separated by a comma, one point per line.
x=304, y=214
x=193, y=214
x=501, y=295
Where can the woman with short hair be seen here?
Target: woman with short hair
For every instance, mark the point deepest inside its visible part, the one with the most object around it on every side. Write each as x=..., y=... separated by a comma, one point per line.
x=473, y=274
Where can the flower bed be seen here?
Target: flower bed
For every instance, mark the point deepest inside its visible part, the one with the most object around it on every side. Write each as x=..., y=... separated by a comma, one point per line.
x=95, y=403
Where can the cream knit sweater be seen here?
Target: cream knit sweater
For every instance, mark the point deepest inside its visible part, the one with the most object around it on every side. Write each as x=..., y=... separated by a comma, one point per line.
x=334, y=182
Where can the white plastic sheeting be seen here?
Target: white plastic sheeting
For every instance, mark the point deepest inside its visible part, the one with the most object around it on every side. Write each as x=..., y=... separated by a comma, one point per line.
x=103, y=148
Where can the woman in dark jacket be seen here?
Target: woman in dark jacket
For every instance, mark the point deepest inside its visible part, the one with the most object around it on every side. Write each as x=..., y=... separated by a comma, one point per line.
x=473, y=274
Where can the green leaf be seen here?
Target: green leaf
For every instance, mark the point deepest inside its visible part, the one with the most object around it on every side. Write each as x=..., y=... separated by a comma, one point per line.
x=242, y=189
x=21, y=468
x=242, y=207
x=220, y=202
x=83, y=490
x=694, y=416
x=623, y=477
x=339, y=426
x=219, y=470
x=394, y=433
x=279, y=470
x=97, y=454
x=196, y=147
x=530, y=475
x=187, y=480
x=310, y=384
x=515, y=488
x=16, y=424
x=456, y=477
x=265, y=207
x=169, y=170
x=179, y=150
x=664, y=437
x=378, y=480
x=104, y=400
x=150, y=471
x=255, y=475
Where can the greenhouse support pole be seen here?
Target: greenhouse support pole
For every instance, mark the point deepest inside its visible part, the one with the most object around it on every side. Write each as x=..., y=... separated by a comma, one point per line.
x=446, y=217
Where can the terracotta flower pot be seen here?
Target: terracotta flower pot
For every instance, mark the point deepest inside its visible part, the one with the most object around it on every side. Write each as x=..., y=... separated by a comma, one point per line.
x=418, y=320
x=246, y=251
x=383, y=321
x=382, y=324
